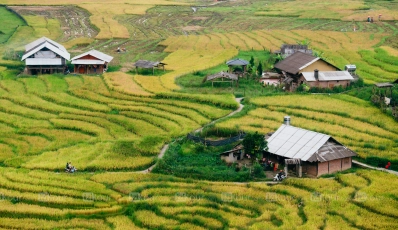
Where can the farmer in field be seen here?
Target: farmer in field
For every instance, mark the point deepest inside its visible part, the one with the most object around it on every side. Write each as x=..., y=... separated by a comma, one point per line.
x=379, y=17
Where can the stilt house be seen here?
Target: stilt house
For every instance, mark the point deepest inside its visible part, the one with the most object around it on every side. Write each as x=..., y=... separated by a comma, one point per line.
x=45, y=56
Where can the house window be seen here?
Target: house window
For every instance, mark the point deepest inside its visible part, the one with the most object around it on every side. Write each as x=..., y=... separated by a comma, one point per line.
x=337, y=81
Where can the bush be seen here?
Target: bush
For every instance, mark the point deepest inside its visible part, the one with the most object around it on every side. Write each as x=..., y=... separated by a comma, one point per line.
x=185, y=159
x=381, y=162
x=258, y=170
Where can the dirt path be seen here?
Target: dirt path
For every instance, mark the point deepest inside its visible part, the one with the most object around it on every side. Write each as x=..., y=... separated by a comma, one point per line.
x=239, y=100
x=165, y=147
x=375, y=168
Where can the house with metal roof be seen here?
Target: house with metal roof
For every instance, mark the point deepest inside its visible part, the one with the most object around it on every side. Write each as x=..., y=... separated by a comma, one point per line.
x=326, y=79
x=237, y=66
x=299, y=62
x=91, y=62
x=45, y=56
x=311, y=152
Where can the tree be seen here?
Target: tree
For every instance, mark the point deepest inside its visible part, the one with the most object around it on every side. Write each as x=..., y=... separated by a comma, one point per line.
x=251, y=61
x=254, y=144
x=260, y=69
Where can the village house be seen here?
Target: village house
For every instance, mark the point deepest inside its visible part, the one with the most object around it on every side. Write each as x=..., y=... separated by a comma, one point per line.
x=309, y=152
x=91, y=62
x=293, y=66
x=289, y=49
x=270, y=78
x=45, y=56
x=325, y=79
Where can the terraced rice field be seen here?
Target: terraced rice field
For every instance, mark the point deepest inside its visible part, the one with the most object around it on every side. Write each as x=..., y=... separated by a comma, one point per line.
x=354, y=122
x=340, y=48
x=52, y=119
x=142, y=201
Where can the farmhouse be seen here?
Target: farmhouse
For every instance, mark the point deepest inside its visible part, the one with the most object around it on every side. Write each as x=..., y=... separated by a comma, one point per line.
x=289, y=49
x=326, y=79
x=300, y=62
x=45, y=56
x=91, y=62
x=222, y=77
x=310, y=152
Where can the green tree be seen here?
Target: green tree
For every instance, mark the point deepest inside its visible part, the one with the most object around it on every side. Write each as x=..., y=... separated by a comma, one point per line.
x=259, y=69
x=251, y=61
x=254, y=144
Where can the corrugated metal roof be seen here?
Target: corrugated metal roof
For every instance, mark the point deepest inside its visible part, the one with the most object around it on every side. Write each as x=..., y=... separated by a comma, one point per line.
x=292, y=142
x=43, y=61
x=88, y=62
x=328, y=76
x=46, y=44
x=222, y=74
x=294, y=62
x=97, y=54
x=37, y=42
x=237, y=62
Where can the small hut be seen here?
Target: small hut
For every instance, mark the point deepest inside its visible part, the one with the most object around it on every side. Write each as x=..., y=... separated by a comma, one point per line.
x=233, y=155
x=144, y=64
x=382, y=94
x=45, y=56
x=222, y=77
x=237, y=62
x=91, y=62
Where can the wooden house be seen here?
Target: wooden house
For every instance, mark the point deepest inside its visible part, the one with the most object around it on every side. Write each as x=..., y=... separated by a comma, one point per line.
x=91, y=62
x=310, y=152
x=293, y=66
x=325, y=79
x=45, y=56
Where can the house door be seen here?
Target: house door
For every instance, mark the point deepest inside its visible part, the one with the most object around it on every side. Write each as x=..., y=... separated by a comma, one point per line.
x=81, y=69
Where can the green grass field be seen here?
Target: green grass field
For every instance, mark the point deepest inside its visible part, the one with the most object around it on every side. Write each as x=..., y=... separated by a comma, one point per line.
x=114, y=125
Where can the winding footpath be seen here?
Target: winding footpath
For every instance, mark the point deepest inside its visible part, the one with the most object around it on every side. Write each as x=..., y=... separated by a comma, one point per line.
x=166, y=146
x=239, y=100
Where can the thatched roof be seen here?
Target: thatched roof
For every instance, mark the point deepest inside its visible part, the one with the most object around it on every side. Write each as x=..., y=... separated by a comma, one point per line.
x=148, y=64
x=222, y=74
x=384, y=85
